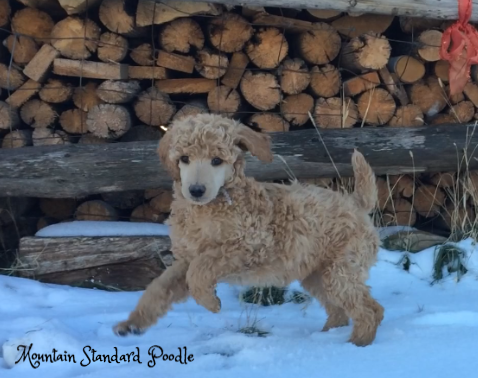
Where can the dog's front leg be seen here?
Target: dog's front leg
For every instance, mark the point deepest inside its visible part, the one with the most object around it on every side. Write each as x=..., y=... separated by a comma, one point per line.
x=170, y=287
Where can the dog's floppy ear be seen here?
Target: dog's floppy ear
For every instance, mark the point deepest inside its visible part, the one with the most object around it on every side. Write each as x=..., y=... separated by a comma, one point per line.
x=163, y=152
x=258, y=144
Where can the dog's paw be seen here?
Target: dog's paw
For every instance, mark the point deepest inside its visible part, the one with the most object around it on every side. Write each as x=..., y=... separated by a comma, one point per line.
x=128, y=327
x=210, y=302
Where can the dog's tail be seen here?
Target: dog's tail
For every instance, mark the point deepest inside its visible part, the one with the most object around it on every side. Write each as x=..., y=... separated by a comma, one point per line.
x=365, y=191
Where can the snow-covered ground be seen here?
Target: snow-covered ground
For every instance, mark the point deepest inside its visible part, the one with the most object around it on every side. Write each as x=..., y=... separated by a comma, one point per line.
x=428, y=331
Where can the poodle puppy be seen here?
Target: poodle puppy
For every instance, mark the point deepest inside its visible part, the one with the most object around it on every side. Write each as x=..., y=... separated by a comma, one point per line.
x=226, y=227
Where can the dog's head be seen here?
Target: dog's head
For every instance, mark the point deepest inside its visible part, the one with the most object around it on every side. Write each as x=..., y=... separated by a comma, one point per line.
x=205, y=153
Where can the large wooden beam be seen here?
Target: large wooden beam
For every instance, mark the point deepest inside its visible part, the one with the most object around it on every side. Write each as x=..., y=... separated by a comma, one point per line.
x=77, y=170
x=438, y=9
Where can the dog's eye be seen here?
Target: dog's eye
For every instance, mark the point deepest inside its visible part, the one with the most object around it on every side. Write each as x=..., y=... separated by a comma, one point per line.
x=216, y=161
x=184, y=159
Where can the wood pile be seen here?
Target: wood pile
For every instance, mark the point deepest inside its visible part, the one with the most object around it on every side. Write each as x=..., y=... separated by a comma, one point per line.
x=109, y=70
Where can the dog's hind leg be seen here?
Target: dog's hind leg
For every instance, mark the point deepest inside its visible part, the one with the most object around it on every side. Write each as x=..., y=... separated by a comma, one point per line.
x=336, y=316
x=344, y=287
x=170, y=287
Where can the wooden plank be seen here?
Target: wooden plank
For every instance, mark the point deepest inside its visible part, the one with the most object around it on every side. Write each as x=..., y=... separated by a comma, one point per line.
x=447, y=9
x=78, y=169
x=29, y=89
x=147, y=73
x=38, y=67
x=90, y=70
x=49, y=255
x=194, y=85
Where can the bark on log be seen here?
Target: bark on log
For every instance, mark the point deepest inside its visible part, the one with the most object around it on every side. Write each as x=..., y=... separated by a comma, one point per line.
x=135, y=166
x=49, y=255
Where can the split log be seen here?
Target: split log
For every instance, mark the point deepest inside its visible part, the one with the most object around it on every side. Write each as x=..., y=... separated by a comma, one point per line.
x=176, y=62
x=408, y=69
x=192, y=108
x=56, y=91
x=401, y=186
x=224, y=100
x=90, y=70
x=145, y=213
x=116, y=17
x=124, y=200
x=22, y=48
x=43, y=136
x=230, y=32
x=182, y=35
x=324, y=14
x=37, y=113
x=235, y=70
x=429, y=44
x=141, y=133
x=370, y=51
x=335, y=113
x=352, y=27
x=9, y=118
x=85, y=98
x=77, y=6
x=118, y=92
x=471, y=92
x=10, y=78
x=96, y=210
x=399, y=212
x=190, y=86
x=429, y=96
x=73, y=121
x=17, y=139
x=108, y=121
x=360, y=84
x=92, y=139
x=154, y=107
x=261, y=90
x=143, y=55
x=463, y=111
x=33, y=23
x=294, y=76
x=376, y=106
x=211, y=65
x=320, y=45
x=39, y=66
x=269, y=122
x=268, y=48
x=150, y=12
x=58, y=208
x=415, y=25
x=393, y=86
x=407, y=116
x=428, y=200
x=162, y=201
x=5, y=12
x=148, y=73
x=441, y=69
x=23, y=94
x=295, y=108
x=325, y=81
x=75, y=38
x=112, y=48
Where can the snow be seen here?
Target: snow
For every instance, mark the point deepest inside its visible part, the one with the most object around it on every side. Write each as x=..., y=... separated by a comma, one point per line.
x=428, y=330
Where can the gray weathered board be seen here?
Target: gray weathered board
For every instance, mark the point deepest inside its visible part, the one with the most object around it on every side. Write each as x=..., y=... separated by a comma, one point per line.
x=438, y=9
x=78, y=170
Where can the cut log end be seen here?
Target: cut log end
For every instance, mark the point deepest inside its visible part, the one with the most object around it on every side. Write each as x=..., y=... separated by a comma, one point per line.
x=108, y=121
x=267, y=48
x=296, y=108
x=73, y=121
x=320, y=45
x=360, y=84
x=96, y=210
x=333, y=113
x=116, y=17
x=38, y=114
x=182, y=35
x=429, y=45
x=10, y=78
x=43, y=136
x=325, y=81
x=33, y=23
x=118, y=92
x=56, y=91
x=86, y=97
x=229, y=32
x=269, y=122
x=408, y=69
x=294, y=76
x=429, y=96
x=211, y=65
x=370, y=51
x=9, y=118
x=224, y=100
x=17, y=139
x=376, y=106
x=112, y=48
x=143, y=55
x=154, y=107
x=145, y=213
x=407, y=116
x=261, y=90
x=22, y=48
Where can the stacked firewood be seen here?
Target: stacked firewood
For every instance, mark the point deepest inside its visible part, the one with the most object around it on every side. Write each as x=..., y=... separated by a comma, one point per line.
x=113, y=70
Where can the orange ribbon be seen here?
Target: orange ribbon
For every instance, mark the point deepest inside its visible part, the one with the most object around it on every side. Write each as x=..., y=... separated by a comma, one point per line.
x=459, y=46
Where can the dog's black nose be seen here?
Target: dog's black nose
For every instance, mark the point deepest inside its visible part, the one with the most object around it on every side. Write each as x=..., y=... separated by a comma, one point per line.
x=197, y=191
